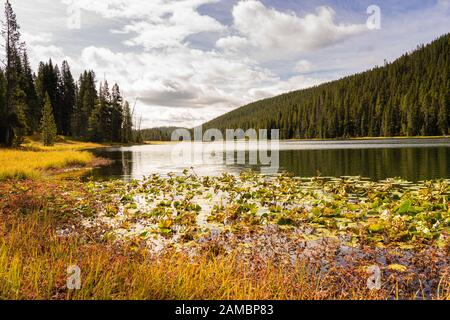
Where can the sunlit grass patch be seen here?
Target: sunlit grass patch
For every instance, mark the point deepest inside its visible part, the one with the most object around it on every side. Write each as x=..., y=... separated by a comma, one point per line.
x=18, y=164
x=62, y=144
x=33, y=158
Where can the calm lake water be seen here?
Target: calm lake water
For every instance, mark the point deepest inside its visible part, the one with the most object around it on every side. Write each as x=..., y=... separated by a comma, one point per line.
x=410, y=159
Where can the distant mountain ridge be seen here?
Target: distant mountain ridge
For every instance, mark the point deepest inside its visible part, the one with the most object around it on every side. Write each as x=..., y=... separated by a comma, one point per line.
x=408, y=97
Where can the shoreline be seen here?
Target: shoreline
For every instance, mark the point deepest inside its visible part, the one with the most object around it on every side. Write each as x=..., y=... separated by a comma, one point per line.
x=424, y=138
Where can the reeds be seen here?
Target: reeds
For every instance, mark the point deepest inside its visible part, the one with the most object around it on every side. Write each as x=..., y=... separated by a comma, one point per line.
x=16, y=164
x=34, y=262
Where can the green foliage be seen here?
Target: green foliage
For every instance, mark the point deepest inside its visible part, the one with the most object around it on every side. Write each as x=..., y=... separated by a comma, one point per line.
x=408, y=97
x=32, y=109
x=77, y=109
x=158, y=134
x=127, y=127
x=13, y=108
x=48, y=83
x=48, y=125
x=108, y=118
x=354, y=211
x=68, y=96
x=86, y=97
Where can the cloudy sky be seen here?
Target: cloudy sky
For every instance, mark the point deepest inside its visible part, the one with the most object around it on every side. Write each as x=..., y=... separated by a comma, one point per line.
x=188, y=61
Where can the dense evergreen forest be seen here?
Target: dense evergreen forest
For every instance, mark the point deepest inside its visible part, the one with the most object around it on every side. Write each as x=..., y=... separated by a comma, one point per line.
x=409, y=97
x=158, y=134
x=74, y=108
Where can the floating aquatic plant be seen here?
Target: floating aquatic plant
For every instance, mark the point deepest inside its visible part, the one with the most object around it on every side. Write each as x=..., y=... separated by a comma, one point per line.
x=356, y=211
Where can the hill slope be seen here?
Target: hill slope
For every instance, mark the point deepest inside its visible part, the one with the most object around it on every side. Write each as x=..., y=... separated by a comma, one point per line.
x=158, y=134
x=408, y=97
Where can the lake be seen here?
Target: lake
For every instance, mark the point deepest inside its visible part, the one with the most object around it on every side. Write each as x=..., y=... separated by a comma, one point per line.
x=411, y=159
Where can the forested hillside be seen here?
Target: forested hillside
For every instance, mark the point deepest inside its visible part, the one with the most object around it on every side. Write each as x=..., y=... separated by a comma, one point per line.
x=77, y=108
x=409, y=97
x=157, y=134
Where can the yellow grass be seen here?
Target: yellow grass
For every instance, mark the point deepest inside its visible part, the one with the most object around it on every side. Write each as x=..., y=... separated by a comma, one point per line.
x=34, y=259
x=34, y=158
x=16, y=164
x=62, y=146
x=34, y=262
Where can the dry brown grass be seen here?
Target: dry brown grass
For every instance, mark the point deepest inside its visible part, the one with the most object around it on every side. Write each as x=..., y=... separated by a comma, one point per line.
x=34, y=259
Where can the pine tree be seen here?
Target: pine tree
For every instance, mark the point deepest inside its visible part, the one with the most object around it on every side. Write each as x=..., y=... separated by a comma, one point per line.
x=443, y=116
x=78, y=115
x=127, y=127
x=77, y=109
x=67, y=92
x=21, y=127
x=48, y=125
x=33, y=109
x=105, y=112
x=14, y=47
x=87, y=101
x=406, y=97
x=49, y=81
x=117, y=114
x=95, y=124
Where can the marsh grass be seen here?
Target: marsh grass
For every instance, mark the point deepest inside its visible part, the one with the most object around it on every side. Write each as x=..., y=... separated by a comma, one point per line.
x=63, y=145
x=33, y=263
x=17, y=164
x=33, y=158
x=35, y=255
x=34, y=260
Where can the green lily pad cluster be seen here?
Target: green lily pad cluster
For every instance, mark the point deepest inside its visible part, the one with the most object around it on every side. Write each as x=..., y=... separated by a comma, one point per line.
x=185, y=208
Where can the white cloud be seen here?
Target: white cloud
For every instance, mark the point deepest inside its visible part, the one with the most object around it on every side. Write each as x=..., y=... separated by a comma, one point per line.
x=171, y=32
x=186, y=66
x=171, y=79
x=232, y=43
x=157, y=23
x=31, y=38
x=303, y=66
x=49, y=52
x=155, y=10
x=40, y=48
x=181, y=80
x=269, y=29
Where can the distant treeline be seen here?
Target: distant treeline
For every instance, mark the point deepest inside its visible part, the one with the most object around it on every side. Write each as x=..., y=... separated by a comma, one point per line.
x=408, y=97
x=78, y=108
x=158, y=134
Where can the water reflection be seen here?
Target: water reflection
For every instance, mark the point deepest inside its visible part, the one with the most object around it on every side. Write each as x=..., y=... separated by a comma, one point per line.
x=413, y=164
x=413, y=160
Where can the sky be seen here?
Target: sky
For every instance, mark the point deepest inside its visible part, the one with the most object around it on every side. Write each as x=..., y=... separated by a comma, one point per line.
x=185, y=62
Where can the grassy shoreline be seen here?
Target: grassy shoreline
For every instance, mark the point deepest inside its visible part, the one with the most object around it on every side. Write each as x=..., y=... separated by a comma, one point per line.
x=334, y=140
x=42, y=235
x=377, y=138
x=34, y=160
